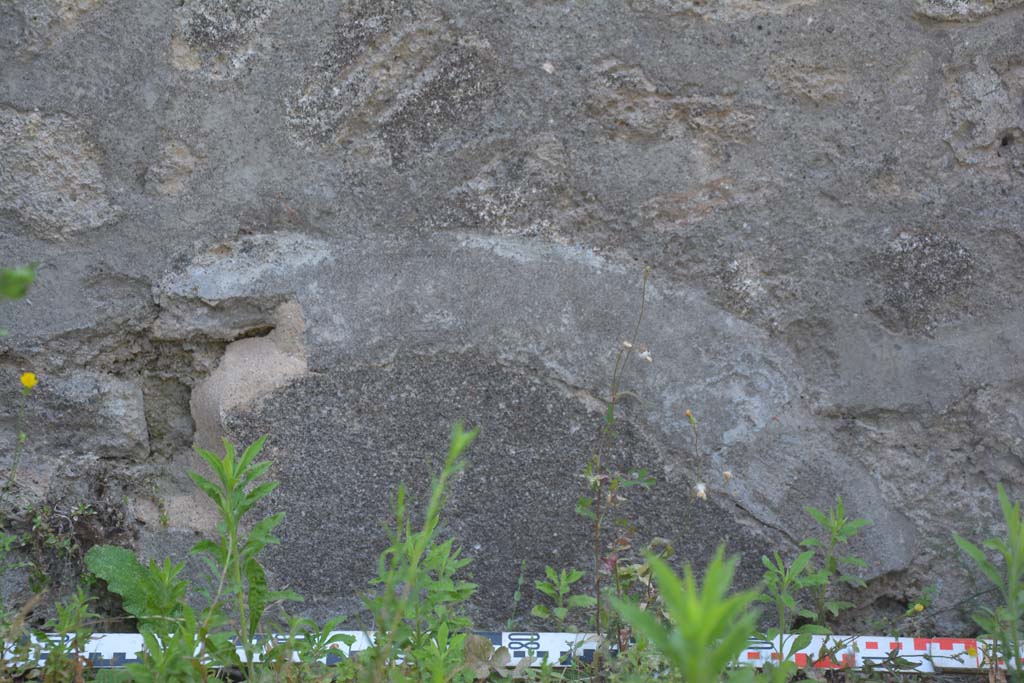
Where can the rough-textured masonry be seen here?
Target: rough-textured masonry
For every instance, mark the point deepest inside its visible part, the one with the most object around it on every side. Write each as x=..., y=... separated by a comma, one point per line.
x=347, y=223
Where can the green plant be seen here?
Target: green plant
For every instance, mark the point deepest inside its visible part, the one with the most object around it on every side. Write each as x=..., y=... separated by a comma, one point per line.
x=54, y=540
x=783, y=585
x=176, y=655
x=65, y=638
x=15, y=648
x=707, y=627
x=297, y=656
x=418, y=608
x=14, y=284
x=603, y=501
x=240, y=578
x=517, y=597
x=831, y=565
x=154, y=595
x=483, y=660
x=178, y=643
x=1003, y=622
x=28, y=383
x=559, y=587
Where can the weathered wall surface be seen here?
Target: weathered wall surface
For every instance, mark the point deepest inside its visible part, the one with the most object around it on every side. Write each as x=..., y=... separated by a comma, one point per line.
x=347, y=223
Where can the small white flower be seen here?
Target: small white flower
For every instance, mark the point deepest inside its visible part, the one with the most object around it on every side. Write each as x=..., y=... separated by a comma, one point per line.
x=626, y=344
x=646, y=355
x=727, y=475
x=548, y=67
x=700, y=490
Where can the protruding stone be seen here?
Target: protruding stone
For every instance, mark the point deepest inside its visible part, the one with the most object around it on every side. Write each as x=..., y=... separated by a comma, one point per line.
x=250, y=368
x=33, y=26
x=719, y=10
x=71, y=420
x=393, y=81
x=964, y=10
x=352, y=434
x=526, y=191
x=51, y=176
x=170, y=174
x=218, y=37
x=809, y=82
x=237, y=268
x=679, y=210
x=631, y=106
x=985, y=114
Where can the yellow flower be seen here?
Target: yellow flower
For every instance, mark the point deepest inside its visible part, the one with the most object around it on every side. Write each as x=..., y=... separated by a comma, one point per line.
x=29, y=380
x=918, y=607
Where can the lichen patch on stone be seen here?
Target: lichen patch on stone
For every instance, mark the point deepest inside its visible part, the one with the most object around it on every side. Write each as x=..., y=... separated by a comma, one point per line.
x=50, y=176
x=925, y=278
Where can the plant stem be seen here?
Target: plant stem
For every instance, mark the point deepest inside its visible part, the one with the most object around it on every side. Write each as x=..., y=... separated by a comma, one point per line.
x=601, y=508
x=19, y=439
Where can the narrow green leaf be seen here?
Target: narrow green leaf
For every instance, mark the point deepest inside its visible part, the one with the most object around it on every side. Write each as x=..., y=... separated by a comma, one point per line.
x=255, y=472
x=257, y=598
x=255, y=495
x=208, y=487
x=801, y=562
x=546, y=588
x=817, y=515
x=979, y=558
x=250, y=453
x=801, y=641
x=581, y=601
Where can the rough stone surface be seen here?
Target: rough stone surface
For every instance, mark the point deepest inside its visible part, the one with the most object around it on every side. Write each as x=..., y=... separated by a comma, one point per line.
x=29, y=27
x=394, y=77
x=392, y=417
x=169, y=175
x=51, y=176
x=249, y=369
x=985, y=114
x=347, y=224
x=218, y=37
x=723, y=10
x=963, y=10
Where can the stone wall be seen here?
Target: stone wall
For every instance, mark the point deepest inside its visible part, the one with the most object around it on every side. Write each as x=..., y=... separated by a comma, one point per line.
x=349, y=222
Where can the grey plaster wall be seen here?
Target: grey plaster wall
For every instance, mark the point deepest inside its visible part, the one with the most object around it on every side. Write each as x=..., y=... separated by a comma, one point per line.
x=348, y=223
